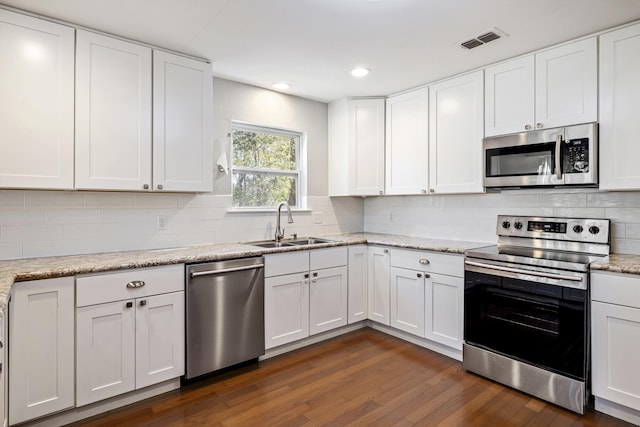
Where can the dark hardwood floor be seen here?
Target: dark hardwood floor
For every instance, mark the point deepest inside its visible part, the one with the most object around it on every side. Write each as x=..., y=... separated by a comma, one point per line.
x=360, y=379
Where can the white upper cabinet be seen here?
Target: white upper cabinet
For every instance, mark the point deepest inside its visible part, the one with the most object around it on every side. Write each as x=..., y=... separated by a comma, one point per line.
x=509, y=92
x=555, y=87
x=113, y=113
x=407, y=141
x=619, y=106
x=36, y=105
x=182, y=124
x=455, y=135
x=356, y=147
x=567, y=84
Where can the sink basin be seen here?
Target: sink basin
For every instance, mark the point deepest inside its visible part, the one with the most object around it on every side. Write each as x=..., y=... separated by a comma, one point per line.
x=285, y=243
x=309, y=241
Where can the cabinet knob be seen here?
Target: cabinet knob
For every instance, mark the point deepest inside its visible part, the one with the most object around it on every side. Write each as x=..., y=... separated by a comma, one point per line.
x=527, y=127
x=431, y=190
x=315, y=274
x=145, y=186
x=306, y=275
x=419, y=275
x=160, y=186
x=424, y=191
x=129, y=304
x=143, y=302
x=424, y=261
x=386, y=251
x=538, y=125
x=426, y=276
x=381, y=192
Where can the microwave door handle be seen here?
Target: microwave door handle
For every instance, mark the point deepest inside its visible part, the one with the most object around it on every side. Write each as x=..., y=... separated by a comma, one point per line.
x=558, y=154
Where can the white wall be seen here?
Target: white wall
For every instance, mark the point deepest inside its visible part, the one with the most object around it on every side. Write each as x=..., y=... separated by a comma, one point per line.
x=473, y=217
x=43, y=223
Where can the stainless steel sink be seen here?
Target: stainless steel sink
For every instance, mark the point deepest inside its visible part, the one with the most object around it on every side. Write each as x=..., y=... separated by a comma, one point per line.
x=288, y=243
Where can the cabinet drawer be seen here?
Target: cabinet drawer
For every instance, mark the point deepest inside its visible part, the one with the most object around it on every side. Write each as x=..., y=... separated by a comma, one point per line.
x=287, y=263
x=112, y=286
x=434, y=262
x=328, y=258
x=616, y=288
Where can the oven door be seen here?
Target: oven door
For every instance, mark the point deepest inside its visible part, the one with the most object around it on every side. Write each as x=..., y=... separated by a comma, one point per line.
x=541, y=324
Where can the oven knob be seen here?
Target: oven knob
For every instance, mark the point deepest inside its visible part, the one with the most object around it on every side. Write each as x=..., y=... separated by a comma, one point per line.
x=577, y=229
x=594, y=229
x=518, y=225
x=506, y=224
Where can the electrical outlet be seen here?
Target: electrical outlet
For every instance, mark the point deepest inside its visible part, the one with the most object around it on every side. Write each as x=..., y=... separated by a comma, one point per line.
x=161, y=222
x=317, y=217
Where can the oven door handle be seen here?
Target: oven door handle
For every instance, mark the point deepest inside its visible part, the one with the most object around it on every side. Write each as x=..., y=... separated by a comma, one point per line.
x=520, y=271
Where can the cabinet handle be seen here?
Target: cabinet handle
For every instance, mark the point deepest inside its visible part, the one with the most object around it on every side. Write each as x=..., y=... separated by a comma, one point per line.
x=539, y=125
x=145, y=186
x=381, y=192
x=135, y=284
x=419, y=275
x=386, y=251
x=527, y=127
x=160, y=186
x=424, y=261
x=129, y=304
x=143, y=303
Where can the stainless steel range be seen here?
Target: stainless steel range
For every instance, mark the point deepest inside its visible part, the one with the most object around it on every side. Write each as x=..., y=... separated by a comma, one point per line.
x=526, y=309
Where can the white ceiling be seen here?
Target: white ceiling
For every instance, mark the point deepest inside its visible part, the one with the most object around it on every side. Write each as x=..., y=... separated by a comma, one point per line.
x=312, y=44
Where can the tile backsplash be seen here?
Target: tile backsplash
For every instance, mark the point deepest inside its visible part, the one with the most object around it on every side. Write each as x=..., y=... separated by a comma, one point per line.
x=44, y=223
x=473, y=217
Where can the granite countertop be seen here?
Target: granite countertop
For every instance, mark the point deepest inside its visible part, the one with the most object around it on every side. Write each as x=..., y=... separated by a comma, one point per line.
x=619, y=263
x=20, y=270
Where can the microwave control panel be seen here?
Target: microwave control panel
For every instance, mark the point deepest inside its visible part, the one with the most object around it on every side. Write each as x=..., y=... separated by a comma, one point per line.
x=575, y=155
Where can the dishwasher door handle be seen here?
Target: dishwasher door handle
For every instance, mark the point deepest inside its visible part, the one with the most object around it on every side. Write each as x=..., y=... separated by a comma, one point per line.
x=225, y=270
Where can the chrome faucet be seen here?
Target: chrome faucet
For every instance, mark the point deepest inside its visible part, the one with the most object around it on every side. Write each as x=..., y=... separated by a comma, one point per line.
x=280, y=232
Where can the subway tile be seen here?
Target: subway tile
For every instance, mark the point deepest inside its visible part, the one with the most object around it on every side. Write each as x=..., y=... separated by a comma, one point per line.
x=53, y=199
x=155, y=200
x=632, y=231
x=10, y=251
x=109, y=200
x=11, y=199
x=22, y=217
x=566, y=200
x=30, y=233
x=623, y=214
x=605, y=199
x=51, y=248
x=125, y=215
x=72, y=216
x=579, y=212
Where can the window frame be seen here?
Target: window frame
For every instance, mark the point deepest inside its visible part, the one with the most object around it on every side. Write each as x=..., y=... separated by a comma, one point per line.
x=299, y=173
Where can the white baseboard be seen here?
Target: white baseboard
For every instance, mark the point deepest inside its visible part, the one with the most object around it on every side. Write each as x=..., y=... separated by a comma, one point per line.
x=77, y=414
x=616, y=410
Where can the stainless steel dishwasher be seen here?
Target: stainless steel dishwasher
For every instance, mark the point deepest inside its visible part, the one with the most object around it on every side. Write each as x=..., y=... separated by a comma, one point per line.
x=225, y=314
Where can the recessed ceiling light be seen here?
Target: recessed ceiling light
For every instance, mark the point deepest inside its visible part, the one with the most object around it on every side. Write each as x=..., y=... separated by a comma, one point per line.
x=360, y=72
x=281, y=86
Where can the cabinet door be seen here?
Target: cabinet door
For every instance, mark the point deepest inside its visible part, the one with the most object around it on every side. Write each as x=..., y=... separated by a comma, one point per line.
x=36, y=105
x=357, y=284
x=105, y=342
x=567, y=84
x=327, y=299
x=159, y=338
x=444, y=302
x=286, y=311
x=407, y=142
x=616, y=344
x=3, y=369
x=407, y=300
x=41, y=348
x=619, y=104
x=113, y=113
x=456, y=114
x=366, y=147
x=182, y=124
x=509, y=97
x=378, y=283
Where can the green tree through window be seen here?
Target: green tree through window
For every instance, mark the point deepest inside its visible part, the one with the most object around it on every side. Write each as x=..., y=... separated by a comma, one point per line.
x=265, y=168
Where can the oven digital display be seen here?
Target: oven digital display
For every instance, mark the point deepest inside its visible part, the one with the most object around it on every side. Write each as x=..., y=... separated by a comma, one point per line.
x=547, y=227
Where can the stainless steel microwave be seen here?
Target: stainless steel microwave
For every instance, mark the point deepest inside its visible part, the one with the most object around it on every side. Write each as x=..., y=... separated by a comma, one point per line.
x=550, y=157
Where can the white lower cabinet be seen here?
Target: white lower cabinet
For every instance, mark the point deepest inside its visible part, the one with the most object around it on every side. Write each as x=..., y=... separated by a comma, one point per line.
x=424, y=303
x=378, y=282
x=4, y=395
x=305, y=294
x=129, y=331
x=41, y=348
x=615, y=328
x=357, y=284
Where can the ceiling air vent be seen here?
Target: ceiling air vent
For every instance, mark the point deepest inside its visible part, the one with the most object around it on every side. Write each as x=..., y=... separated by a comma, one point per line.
x=486, y=37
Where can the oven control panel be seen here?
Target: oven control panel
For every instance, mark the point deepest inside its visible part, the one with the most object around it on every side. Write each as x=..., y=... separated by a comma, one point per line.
x=590, y=230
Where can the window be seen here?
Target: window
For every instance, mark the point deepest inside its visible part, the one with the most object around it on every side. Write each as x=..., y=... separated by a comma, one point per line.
x=266, y=166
